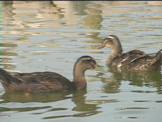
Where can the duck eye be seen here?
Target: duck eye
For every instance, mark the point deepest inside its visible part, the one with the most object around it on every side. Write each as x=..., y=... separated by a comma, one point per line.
x=110, y=40
x=88, y=61
x=85, y=61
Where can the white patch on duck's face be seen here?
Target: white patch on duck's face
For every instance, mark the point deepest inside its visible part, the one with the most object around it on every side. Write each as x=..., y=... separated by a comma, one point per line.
x=110, y=37
x=107, y=42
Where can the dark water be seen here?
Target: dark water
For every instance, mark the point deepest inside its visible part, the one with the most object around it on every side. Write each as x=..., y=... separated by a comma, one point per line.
x=50, y=36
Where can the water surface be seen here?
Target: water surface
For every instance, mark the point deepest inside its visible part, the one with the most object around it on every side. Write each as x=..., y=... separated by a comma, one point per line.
x=50, y=36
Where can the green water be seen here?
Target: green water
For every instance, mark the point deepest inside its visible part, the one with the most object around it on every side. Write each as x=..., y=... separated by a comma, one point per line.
x=50, y=36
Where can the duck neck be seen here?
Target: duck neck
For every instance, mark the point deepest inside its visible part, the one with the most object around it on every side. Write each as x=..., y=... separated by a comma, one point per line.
x=79, y=77
x=117, y=51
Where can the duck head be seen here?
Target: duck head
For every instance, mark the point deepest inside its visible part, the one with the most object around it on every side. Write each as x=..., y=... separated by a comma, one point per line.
x=82, y=64
x=111, y=41
x=85, y=63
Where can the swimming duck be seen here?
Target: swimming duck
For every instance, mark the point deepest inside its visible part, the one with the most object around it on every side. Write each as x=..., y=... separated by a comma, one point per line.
x=49, y=81
x=132, y=60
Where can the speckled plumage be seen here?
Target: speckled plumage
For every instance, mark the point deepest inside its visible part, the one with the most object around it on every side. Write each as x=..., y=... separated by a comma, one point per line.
x=132, y=60
x=48, y=81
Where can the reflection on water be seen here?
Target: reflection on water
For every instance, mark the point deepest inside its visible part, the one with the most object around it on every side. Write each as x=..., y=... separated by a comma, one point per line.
x=6, y=56
x=77, y=97
x=37, y=97
x=51, y=35
x=138, y=78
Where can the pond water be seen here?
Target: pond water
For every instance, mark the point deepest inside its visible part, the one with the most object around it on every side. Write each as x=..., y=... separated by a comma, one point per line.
x=50, y=36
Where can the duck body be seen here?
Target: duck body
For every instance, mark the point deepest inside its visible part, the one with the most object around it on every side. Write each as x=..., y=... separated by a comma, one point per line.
x=41, y=82
x=133, y=60
x=35, y=82
x=136, y=60
x=48, y=81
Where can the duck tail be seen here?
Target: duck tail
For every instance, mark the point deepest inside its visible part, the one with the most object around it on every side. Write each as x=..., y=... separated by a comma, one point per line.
x=7, y=79
x=157, y=60
x=158, y=56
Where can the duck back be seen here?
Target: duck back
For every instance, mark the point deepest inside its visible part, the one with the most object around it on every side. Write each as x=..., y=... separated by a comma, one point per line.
x=137, y=60
x=35, y=82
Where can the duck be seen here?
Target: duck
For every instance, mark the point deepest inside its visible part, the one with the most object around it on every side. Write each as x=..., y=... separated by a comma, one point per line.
x=133, y=60
x=47, y=81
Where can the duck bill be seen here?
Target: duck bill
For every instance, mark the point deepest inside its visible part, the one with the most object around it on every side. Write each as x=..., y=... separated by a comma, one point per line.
x=99, y=68
x=101, y=46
